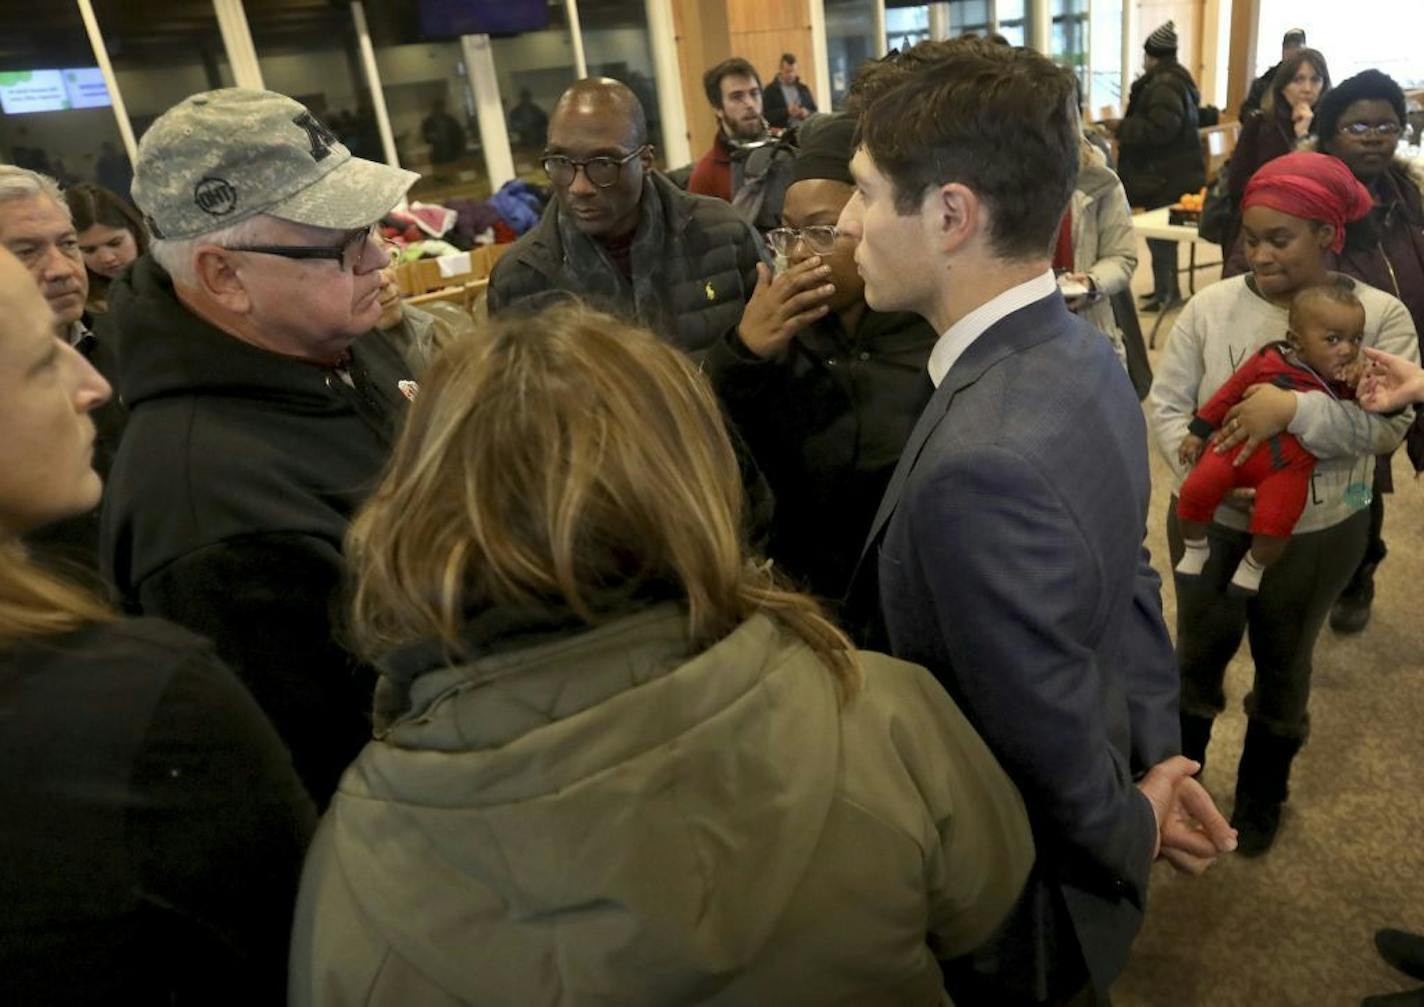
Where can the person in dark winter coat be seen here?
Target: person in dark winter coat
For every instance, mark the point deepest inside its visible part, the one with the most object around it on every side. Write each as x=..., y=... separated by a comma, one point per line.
x=154, y=829
x=627, y=239
x=827, y=409
x=1291, y=43
x=1360, y=123
x=1160, y=152
x=788, y=100
x=1284, y=121
x=262, y=405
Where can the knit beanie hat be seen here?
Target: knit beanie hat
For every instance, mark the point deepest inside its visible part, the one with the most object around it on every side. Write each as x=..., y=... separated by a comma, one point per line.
x=1163, y=41
x=825, y=148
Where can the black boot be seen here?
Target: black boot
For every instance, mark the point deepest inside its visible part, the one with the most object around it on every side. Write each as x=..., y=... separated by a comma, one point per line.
x=1196, y=733
x=1261, y=787
x=1351, y=611
x=1403, y=950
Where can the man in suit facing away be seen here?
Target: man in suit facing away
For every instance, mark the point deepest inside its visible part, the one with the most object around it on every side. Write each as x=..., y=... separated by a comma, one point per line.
x=1007, y=554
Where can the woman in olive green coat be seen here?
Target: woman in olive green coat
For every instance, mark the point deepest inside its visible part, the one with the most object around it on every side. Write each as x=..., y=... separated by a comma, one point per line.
x=615, y=762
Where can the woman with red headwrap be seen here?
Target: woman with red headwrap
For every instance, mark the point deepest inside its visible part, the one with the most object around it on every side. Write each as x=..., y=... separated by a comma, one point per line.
x=1294, y=215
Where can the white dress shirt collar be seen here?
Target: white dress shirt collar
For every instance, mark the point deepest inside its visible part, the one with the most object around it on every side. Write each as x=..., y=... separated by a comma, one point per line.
x=77, y=331
x=961, y=334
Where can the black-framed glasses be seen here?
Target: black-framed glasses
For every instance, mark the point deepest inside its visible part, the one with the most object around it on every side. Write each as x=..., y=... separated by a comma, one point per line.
x=602, y=171
x=349, y=253
x=1360, y=130
x=821, y=239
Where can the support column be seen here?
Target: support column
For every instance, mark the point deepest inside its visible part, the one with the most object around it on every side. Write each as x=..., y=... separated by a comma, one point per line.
x=237, y=39
x=373, y=81
x=101, y=56
x=1042, y=24
x=1215, y=51
x=820, y=51
x=662, y=36
x=489, y=110
x=576, y=35
x=939, y=21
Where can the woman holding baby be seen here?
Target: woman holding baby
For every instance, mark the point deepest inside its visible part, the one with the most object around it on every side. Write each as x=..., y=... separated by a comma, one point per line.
x=1295, y=212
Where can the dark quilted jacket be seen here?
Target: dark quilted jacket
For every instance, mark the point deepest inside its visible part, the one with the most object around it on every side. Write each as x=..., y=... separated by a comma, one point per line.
x=708, y=269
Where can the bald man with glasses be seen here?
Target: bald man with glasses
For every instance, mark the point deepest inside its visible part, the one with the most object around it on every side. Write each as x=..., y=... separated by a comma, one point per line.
x=263, y=402
x=620, y=235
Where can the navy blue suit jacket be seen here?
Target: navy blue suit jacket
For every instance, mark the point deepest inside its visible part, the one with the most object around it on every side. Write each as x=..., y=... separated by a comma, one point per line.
x=1010, y=560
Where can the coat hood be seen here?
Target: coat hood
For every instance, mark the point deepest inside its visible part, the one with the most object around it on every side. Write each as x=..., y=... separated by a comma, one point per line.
x=609, y=813
x=1094, y=175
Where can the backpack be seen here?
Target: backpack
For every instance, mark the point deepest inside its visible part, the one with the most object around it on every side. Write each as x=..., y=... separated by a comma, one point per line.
x=1219, y=212
x=761, y=174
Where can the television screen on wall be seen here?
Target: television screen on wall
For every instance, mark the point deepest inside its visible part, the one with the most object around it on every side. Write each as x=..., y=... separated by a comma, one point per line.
x=23, y=91
x=453, y=18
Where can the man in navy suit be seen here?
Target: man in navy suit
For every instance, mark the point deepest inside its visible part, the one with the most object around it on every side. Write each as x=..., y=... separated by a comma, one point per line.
x=1007, y=554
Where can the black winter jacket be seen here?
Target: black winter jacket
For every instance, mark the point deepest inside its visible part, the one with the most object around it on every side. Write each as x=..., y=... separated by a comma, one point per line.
x=230, y=498
x=154, y=830
x=704, y=270
x=826, y=423
x=1160, y=154
x=774, y=103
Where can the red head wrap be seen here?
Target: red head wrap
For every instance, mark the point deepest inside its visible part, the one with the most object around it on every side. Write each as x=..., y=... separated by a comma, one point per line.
x=1312, y=187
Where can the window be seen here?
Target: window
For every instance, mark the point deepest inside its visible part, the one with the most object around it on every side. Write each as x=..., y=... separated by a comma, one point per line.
x=1351, y=42
x=1011, y=21
x=850, y=41
x=55, y=112
x=1068, y=38
x=1105, y=62
x=971, y=17
x=906, y=26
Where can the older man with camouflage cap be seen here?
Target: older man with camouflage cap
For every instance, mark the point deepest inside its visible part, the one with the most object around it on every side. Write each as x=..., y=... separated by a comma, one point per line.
x=262, y=402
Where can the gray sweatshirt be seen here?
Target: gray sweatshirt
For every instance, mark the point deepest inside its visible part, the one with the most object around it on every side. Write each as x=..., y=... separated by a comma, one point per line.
x=1215, y=333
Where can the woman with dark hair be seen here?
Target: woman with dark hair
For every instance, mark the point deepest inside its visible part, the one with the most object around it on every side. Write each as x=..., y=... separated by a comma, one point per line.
x=1360, y=122
x=616, y=761
x=111, y=235
x=153, y=827
x=1284, y=120
x=1296, y=209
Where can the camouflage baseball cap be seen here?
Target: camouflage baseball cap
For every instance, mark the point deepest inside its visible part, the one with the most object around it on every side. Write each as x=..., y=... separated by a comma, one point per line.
x=222, y=156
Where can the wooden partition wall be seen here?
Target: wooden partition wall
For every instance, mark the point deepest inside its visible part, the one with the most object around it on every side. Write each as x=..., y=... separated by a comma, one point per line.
x=709, y=31
x=1245, y=17
x=764, y=29
x=703, y=40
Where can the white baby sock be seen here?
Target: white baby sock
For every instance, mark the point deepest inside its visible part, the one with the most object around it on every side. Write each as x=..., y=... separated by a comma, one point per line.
x=1194, y=559
x=1247, y=578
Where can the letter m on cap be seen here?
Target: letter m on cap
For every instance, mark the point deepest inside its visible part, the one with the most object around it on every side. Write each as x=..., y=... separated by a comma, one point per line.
x=320, y=137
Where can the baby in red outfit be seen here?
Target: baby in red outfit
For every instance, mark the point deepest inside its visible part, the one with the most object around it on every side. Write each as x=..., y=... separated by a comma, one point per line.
x=1321, y=353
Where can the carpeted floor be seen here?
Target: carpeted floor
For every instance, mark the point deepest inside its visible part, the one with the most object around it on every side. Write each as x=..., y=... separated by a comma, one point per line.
x=1296, y=926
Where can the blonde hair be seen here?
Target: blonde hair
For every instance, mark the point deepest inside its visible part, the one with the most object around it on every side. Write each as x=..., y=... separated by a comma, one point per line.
x=35, y=603
x=565, y=459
